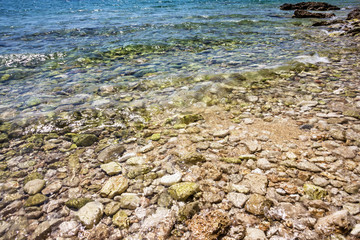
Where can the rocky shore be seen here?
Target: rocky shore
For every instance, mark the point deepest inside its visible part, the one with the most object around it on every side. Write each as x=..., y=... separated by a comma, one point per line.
x=273, y=155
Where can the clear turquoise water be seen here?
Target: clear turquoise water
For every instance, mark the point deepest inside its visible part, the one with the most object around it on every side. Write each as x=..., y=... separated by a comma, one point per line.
x=52, y=52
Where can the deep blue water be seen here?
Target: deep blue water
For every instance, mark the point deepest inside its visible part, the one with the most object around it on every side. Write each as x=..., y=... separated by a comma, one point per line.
x=56, y=44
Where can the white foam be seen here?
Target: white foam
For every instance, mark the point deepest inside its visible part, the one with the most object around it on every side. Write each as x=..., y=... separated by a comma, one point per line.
x=312, y=59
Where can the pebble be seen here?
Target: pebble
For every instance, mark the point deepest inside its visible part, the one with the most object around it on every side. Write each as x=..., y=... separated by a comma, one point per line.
x=169, y=180
x=90, y=214
x=34, y=186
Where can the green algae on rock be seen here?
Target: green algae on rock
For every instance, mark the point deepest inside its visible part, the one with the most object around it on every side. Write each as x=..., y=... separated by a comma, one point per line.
x=192, y=158
x=182, y=191
x=121, y=219
x=35, y=200
x=77, y=203
x=90, y=214
x=84, y=140
x=314, y=192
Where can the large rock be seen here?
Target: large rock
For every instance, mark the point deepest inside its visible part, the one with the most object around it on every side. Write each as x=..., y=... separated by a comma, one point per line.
x=90, y=214
x=258, y=204
x=306, y=14
x=111, y=168
x=256, y=182
x=34, y=186
x=316, y=6
x=114, y=186
x=181, y=191
x=209, y=226
x=354, y=14
x=238, y=199
x=35, y=200
x=340, y=221
x=111, y=153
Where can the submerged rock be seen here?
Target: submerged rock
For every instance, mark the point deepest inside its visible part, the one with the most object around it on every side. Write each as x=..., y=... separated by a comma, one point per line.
x=90, y=214
x=77, y=203
x=84, y=140
x=258, y=204
x=121, y=220
x=181, y=191
x=34, y=186
x=316, y=6
x=255, y=233
x=35, y=200
x=111, y=168
x=114, y=186
x=111, y=153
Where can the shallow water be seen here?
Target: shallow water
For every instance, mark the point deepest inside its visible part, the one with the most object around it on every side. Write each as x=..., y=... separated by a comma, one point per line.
x=56, y=56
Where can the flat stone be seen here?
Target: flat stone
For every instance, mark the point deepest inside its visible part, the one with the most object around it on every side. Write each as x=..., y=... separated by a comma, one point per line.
x=320, y=181
x=42, y=231
x=111, y=153
x=114, y=186
x=192, y=158
x=85, y=140
x=345, y=152
x=340, y=221
x=238, y=199
x=169, y=180
x=255, y=234
x=111, y=168
x=90, y=214
x=352, y=208
x=356, y=231
x=253, y=146
x=188, y=211
x=221, y=133
x=256, y=182
x=211, y=197
x=52, y=188
x=121, y=220
x=264, y=164
x=77, y=203
x=69, y=229
x=308, y=166
x=129, y=200
x=34, y=186
x=35, y=200
x=314, y=192
x=112, y=208
x=181, y=191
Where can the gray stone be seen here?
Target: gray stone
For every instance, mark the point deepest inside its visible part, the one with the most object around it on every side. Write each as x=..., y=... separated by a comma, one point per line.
x=52, y=188
x=111, y=168
x=254, y=234
x=90, y=214
x=345, y=152
x=308, y=166
x=34, y=186
x=256, y=182
x=264, y=164
x=253, y=146
x=69, y=229
x=238, y=199
x=320, y=181
x=111, y=153
x=114, y=186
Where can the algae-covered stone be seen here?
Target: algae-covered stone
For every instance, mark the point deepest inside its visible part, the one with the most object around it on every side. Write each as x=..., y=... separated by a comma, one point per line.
x=231, y=160
x=34, y=186
x=136, y=171
x=164, y=200
x=155, y=137
x=4, y=137
x=193, y=158
x=111, y=153
x=181, y=191
x=35, y=200
x=32, y=176
x=114, y=186
x=85, y=140
x=121, y=220
x=187, y=211
x=190, y=118
x=90, y=214
x=129, y=201
x=77, y=203
x=111, y=168
x=314, y=192
x=111, y=208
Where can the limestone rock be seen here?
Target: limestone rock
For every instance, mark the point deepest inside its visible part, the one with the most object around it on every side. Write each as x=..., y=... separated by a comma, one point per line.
x=129, y=200
x=69, y=229
x=111, y=168
x=121, y=220
x=255, y=234
x=169, y=180
x=188, y=211
x=34, y=186
x=90, y=214
x=257, y=204
x=209, y=226
x=52, y=188
x=308, y=166
x=112, y=208
x=238, y=199
x=181, y=191
x=340, y=221
x=256, y=182
x=114, y=186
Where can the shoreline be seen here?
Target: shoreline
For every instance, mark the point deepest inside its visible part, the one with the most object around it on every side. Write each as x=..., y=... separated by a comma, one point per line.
x=275, y=158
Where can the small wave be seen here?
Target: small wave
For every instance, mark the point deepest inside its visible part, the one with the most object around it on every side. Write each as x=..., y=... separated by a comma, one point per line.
x=27, y=60
x=312, y=59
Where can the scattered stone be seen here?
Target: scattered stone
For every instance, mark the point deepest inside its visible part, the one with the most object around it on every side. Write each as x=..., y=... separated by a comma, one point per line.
x=35, y=200
x=84, y=140
x=90, y=214
x=356, y=231
x=169, y=180
x=264, y=164
x=121, y=220
x=112, y=208
x=129, y=201
x=155, y=137
x=182, y=191
x=257, y=204
x=209, y=226
x=255, y=234
x=111, y=168
x=114, y=186
x=256, y=183
x=187, y=211
x=345, y=152
x=193, y=158
x=69, y=229
x=52, y=188
x=238, y=199
x=308, y=166
x=164, y=200
x=34, y=186
x=111, y=153
x=42, y=231
x=221, y=133
x=77, y=203
x=314, y=192
x=340, y=221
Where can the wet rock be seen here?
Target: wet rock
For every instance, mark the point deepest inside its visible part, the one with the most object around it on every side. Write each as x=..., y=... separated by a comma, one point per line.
x=187, y=211
x=77, y=203
x=136, y=171
x=316, y=6
x=345, y=152
x=42, y=231
x=354, y=14
x=264, y=164
x=256, y=182
x=112, y=208
x=211, y=197
x=306, y=14
x=160, y=223
x=32, y=176
x=114, y=186
x=340, y=221
x=314, y=192
x=255, y=234
x=35, y=200
x=90, y=214
x=352, y=188
x=111, y=153
x=308, y=166
x=231, y=160
x=221, y=133
x=164, y=200
x=209, y=226
x=238, y=199
x=52, y=188
x=121, y=220
x=34, y=186
x=181, y=191
x=352, y=208
x=192, y=158
x=155, y=137
x=69, y=229
x=111, y=168
x=320, y=181
x=129, y=200
x=190, y=118
x=169, y=180
x=258, y=204
x=85, y=140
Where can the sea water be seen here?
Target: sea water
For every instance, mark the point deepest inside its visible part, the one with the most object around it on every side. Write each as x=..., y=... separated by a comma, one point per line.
x=60, y=55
